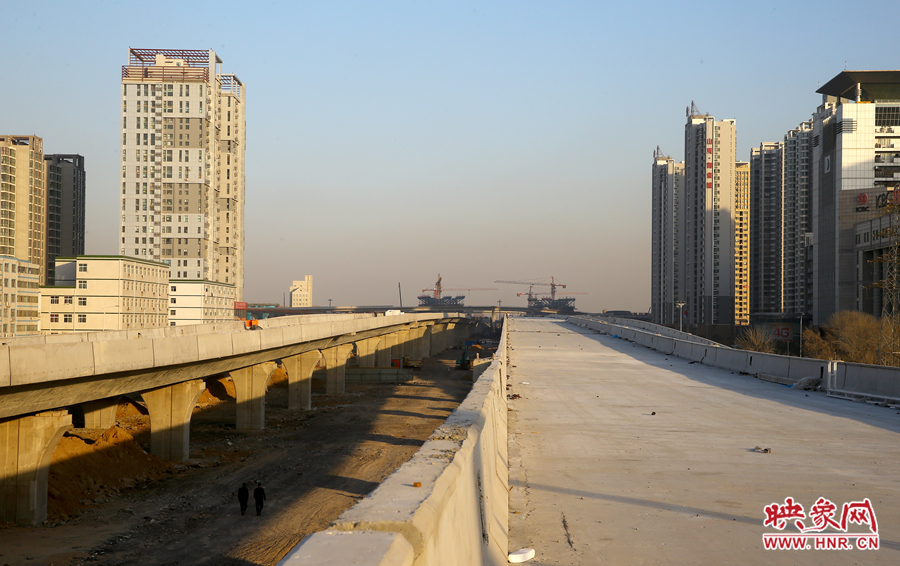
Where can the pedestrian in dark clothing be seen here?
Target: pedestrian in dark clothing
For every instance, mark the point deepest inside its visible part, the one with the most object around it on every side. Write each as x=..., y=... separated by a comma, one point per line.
x=243, y=497
x=259, y=494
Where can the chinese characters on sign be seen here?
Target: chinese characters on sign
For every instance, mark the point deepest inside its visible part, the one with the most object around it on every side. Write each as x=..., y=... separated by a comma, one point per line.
x=822, y=516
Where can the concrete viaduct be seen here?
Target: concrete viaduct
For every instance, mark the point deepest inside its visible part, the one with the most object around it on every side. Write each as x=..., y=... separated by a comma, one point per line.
x=43, y=377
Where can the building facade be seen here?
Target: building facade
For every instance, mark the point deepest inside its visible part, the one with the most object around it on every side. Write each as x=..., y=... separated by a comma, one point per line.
x=667, y=180
x=21, y=292
x=65, y=192
x=183, y=140
x=200, y=302
x=709, y=220
x=301, y=292
x=797, y=226
x=855, y=173
x=766, y=234
x=742, y=243
x=23, y=228
x=97, y=293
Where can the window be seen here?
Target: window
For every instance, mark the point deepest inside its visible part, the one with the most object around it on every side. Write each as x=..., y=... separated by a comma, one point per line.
x=82, y=318
x=67, y=318
x=67, y=300
x=54, y=318
x=54, y=300
x=172, y=313
x=82, y=301
x=82, y=284
x=82, y=267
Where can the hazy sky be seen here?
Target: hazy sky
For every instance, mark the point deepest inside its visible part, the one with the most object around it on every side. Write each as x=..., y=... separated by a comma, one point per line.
x=391, y=141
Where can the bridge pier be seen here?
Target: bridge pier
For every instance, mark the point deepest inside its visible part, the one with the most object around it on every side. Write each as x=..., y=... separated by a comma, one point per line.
x=250, y=391
x=402, y=346
x=365, y=351
x=423, y=341
x=383, y=352
x=101, y=413
x=335, y=368
x=170, y=410
x=300, y=369
x=26, y=450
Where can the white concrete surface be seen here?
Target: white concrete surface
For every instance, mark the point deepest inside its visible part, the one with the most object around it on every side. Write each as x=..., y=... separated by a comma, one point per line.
x=683, y=486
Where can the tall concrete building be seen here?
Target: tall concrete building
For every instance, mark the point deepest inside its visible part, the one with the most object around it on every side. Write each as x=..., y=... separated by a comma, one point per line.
x=709, y=220
x=65, y=178
x=742, y=243
x=767, y=220
x=797, y=226
x=22, y=200
x=855, y=173
x=183, y=140
x=667, y=182
x=301, y=292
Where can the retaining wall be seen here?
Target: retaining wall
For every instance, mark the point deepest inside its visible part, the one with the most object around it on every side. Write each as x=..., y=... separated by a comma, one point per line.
x=459, y=515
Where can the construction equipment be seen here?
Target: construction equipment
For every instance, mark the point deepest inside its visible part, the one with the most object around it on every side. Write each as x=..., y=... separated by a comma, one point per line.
x=435, y=298
x=562, y=304
x=464, y=362
x=412, y=363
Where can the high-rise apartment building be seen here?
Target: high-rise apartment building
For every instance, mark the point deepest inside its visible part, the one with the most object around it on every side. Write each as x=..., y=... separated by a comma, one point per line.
x=797, y=218
x=65, y=178
x=767, y=220
x=183, y=139
x=22, y=200
x=709, y=220
x=301, y=292
x=855, y=173
x=668, y=178
x=742, y=243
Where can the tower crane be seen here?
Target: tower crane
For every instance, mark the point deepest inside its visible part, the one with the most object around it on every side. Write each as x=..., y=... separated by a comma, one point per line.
x=434, y=298
x=549, y=303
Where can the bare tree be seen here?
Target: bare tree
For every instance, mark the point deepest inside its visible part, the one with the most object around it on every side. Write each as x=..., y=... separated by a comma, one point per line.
x=756, y=338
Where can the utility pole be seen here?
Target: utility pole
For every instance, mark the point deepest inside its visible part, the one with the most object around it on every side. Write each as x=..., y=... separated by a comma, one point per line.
x=680, y=305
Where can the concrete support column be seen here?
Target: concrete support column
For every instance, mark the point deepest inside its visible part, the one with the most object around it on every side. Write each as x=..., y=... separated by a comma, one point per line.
x=425, y=340
x=450, y=335
x=300, y=369
x=100, y=414
x=170, y=418
x=437, y=339
x=26, y=450
x=402, y=346
x=416, y=335
x=365, y=351
x=250, y=389
x=335, y=368
x=383, y=353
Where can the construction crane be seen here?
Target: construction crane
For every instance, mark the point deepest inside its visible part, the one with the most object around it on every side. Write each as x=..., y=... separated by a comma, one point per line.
x=553, y=285
x=435, y=298
x=546, y=303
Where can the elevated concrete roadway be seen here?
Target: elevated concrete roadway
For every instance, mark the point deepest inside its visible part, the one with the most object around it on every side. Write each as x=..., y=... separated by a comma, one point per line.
x=42, y=377
x=598, y=478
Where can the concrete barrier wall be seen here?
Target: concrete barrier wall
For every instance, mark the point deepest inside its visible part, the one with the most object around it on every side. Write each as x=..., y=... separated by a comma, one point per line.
x=868, y=381
x=770, y=364
x=459, y=515
x=730, y=359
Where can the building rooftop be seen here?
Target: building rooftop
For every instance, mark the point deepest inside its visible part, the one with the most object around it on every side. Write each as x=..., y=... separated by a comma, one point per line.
x=876, y=85
x=147, y=57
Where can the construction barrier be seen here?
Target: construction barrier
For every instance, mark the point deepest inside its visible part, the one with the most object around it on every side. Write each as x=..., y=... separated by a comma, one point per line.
x=448, y=505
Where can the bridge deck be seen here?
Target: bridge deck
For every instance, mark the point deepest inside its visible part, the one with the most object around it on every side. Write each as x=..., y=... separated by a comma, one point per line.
x=683, y=486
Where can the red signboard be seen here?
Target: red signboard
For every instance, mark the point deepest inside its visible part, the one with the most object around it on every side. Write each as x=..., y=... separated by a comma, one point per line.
x=240, y=306
x=862, y=198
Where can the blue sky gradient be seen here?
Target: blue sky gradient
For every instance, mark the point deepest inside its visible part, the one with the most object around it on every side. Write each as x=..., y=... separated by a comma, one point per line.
x=389, y=142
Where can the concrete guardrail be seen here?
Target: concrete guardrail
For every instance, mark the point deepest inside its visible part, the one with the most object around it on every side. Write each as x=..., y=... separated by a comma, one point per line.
x=459, y=513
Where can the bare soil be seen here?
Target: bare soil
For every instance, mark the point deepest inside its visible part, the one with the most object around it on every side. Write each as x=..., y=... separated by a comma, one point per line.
x=111, y=503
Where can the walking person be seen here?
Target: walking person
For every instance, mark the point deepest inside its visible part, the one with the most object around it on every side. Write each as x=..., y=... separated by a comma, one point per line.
x=243, y=497
x=259, y=494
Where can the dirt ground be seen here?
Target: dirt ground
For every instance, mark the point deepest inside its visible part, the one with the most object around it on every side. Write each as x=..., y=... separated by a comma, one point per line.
x=111, y=503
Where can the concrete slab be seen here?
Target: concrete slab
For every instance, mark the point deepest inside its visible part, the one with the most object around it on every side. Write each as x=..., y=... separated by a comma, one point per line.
x=598, y=478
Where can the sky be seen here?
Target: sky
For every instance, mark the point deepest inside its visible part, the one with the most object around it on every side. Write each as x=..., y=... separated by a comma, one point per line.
x=389, y=142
